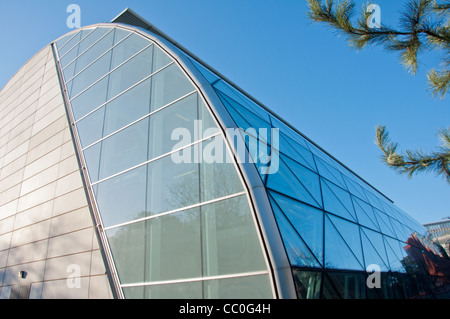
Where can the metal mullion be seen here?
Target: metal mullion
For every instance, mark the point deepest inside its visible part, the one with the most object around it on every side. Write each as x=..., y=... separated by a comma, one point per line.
x=81, y=39
x=181, y=209
x=200, y=279
x=125, y=91
x=108, y=73
x=88, y=48
x=156, y=158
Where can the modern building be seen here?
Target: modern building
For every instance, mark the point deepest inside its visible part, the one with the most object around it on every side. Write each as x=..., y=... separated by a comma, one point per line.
x=132, y=169
x=441, y=233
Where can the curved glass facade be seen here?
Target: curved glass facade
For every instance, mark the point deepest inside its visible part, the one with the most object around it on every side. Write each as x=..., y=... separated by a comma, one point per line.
x=180, y=226
x=174, y=229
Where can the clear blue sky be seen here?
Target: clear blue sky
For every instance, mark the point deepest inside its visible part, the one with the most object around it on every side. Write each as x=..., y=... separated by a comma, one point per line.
x=303, y=71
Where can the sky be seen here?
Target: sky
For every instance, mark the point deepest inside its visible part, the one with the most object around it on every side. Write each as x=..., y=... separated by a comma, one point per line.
x=304, y=71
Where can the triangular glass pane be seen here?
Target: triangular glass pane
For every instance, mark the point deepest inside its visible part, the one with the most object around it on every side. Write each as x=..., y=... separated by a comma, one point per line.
x=307, y=221
x=373, y=248
x=364, y=214
x=337, y=201
x=288, y=132
x=254, y=121
x=373, y=200
x=298, y=252
x=285, y=182
x=234, y=94
x=296, y=152
x=337, y=253
x=394, y=255
x=350, y=232
x=308, y=178
x=353, y=187
x=384, y=223
x=209, y=76
x=329, y=172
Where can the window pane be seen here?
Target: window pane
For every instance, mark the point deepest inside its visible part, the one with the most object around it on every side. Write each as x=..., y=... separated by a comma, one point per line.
x=214, y=174
x=168, y=85
x=185, y=290
x=70, y=43
x=230, y=240
x=251, y=287
x=127, y=48
x=160, y=59
x=122, y=198
x=128, y=107
x=90, y=75
x=128, y=249
x=94, y=52
x=90, y=99
x=174, y=246
x=92, y=158
x=171, y=185
x=130, y=73
x=90, y=128
x=307, y=284
x=124, y=149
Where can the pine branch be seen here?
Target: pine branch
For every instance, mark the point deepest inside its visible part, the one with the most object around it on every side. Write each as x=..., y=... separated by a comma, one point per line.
x=415, y=161
x=423, y=26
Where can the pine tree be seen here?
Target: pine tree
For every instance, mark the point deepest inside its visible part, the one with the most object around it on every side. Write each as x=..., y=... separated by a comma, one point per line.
x=424, y=26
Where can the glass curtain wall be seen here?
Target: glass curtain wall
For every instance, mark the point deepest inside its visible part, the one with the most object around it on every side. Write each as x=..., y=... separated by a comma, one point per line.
x=335, y=227
x=175, y=228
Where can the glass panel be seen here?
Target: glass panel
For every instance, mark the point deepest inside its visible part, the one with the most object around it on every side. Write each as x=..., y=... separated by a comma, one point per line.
x=86, y=39
x=122, y=198
x=171, y=185
x=160, y=59
x=307, y=221
x=62, y=42
x=309, y=179
x=296, y=152
x=230, y=241
x=168, y=123
x=168, y=85
x=351, y=235
x=307, y=284
x=124, y=149
x=90, y=75
x=251, y=287
x=69, y=44
x=395, y=255
x=94, y=52
x=90, y=99
x=174, y=246
x=365, y=215
x=128, y=107
x=134, y=292
x=90, y=128
x=185, y=290
x=210, y=77
x=285, y=182
x=373, y=250
x=234, y=94
x=337, y=201
x=330, y=173
x=298, y=253
x=337, y=253
x=214, y=174
x=128, y=250
x=127, y=48
x=130, y=73
x=92, y=158
x=349, y=285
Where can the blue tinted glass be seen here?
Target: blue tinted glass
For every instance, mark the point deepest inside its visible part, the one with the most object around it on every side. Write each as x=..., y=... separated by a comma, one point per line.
x=285, y=182
x=307, y=221
x=395, y=255
x=72, y=41
x=337, y=201
x=92, y=158
x=297, y=251
x=90, y=128
x=364, y=213
x=309, y=179
x=338, y=255
x=296, y=152
x=373, y=248
x=289, y=132
x=384, y=223
x=210, y=77
x=351, y=235
x=90, y=99
x=329, y=173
